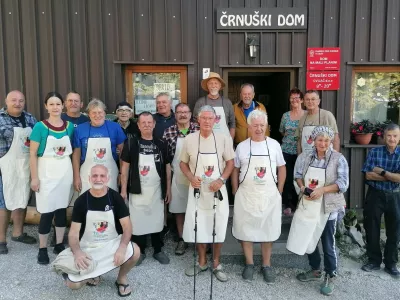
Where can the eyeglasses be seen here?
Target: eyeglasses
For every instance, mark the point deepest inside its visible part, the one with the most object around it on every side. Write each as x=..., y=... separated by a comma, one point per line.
x=294, y=98
x=311, y=99
x=182, y=112
x=128, y=110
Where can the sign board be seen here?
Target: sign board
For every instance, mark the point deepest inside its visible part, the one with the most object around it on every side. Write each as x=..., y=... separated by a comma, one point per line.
x=262, y=18
x=323, y=59
x=149, y=105
x=164, y=88
x=322, y=80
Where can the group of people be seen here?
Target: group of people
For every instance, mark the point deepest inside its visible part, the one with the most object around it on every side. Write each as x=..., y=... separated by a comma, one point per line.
x=123, y=176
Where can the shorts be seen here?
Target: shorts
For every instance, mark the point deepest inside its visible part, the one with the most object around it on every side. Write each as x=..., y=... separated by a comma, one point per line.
x=2, y=202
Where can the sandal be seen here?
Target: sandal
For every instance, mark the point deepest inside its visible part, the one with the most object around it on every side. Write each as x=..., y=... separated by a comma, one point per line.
x=125, y=286
x=95, y=282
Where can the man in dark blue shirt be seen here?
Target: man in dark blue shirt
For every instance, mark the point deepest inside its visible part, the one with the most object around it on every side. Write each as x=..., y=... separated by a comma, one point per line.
x=382, y=169
x=164, y=117
x=73, y=105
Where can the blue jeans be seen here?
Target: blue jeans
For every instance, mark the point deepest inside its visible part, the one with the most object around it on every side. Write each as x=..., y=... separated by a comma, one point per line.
x=329, y=248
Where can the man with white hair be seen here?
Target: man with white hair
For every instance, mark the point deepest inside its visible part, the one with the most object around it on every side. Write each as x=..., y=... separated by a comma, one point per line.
x=99, y=237
x=207, y=161
x=164, y=116
x=258, y=188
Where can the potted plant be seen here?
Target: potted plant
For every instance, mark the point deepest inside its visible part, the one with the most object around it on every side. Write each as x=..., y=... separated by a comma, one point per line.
x=379, y=131
x=362, y=131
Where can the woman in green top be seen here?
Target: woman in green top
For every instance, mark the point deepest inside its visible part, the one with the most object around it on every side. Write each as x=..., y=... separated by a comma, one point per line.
x=51, y=172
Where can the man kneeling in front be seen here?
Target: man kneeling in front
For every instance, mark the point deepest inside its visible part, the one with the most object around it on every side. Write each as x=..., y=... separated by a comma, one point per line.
x=99, y=237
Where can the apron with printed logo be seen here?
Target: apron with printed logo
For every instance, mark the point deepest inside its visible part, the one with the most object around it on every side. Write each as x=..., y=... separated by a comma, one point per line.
x=208, y=169
x=180, y=184
x=100, y=240
x=147, y=209
x=307, y=143
x=258, y=203
x=98, y=152
x=55, y=175
x=310, y=218
x=220, y=119
x=15, y=171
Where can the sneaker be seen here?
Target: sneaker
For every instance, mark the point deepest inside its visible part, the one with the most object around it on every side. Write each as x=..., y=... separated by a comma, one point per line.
x=24, y=238
x=219, y=274
x=328, y=285
x=312, y=275
x=180, y=248
x=141, y=259
x=43, y=257
x=393, y=271
x=161, y=257
x=248, y=272
x=58, y=248
x=268, y=274
x=191, y=271
x=3, y=248
x=369, y=267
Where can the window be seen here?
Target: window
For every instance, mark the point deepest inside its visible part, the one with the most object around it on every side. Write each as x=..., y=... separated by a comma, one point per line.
x=144, y=83
x=376, y=94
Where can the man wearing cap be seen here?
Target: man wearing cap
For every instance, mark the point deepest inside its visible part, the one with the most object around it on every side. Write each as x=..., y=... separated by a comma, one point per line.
x=174, y=136
x=73, y=105
x=164, y=116
x=225, y=117
x=323, y=178
x=242, y=110
x=313, y=117
x=15, y=128
x=124, y=114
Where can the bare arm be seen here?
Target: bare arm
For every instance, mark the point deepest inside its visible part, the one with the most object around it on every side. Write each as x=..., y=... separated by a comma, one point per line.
x=228, y=169
x=235, y=180
x=281, y=178
x=389, y=176
x=76, y=164
x=374, y=177
x=119, y=149
x=73, y=237
x=232, y=132
x=299, y=146
x=336, y=142
x=300, y=183
x=34, y=146
x=126, y=231
x=124, y=179
x=186, y=170
x=168, y=194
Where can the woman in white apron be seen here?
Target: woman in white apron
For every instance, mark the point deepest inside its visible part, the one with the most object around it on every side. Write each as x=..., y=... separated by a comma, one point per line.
x=51, y=172
x=323, y=178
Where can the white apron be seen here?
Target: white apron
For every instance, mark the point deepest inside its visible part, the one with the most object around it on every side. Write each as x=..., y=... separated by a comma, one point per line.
x=207, y=168
x=310, y=219
x=15, y=171
x=307, y=143
x=99, y=152
x=220, y=120
x=55, y=175
x=100, y=240
x=147, y=209
x=180, y=184
x=258, y=203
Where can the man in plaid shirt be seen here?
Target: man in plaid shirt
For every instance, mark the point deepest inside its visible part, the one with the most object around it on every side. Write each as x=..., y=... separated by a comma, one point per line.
x=174, y=136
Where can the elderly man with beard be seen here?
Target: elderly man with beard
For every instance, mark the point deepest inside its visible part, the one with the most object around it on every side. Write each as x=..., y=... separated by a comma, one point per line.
x=207, y=161
x=174, y=136
x=225, y=117
x=15, y=128
x=99, y=237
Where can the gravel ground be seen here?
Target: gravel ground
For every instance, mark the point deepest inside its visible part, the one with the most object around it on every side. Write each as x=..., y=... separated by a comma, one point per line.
x=22, y=278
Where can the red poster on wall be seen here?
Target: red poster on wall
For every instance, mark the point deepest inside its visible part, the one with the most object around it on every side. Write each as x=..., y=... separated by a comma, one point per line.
x=323, y=59
x=322, y=80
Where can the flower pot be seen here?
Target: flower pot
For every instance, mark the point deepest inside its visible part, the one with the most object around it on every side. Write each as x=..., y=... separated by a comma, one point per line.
x=363, y=138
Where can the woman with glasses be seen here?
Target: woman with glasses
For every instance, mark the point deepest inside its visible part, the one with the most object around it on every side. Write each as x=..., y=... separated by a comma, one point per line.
x=289, y=124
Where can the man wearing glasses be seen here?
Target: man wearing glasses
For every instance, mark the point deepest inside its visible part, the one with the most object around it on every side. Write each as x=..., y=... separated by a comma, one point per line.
x=124, y=113
x=314, y=116
x=174, y=136
x=73, y=105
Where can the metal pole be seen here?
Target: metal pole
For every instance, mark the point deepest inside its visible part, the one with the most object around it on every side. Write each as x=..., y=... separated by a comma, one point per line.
x=196, y=196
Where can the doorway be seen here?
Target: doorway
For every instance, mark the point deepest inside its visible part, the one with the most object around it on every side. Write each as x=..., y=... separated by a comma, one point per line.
x=271, y=88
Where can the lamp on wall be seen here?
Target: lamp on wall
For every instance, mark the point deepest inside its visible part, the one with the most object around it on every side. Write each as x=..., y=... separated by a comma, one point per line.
x=252, y=44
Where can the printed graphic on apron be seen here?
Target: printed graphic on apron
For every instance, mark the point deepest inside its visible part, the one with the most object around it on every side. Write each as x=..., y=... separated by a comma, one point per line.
x=260, y=171
x=312, y=183
x=309, y=140
x=100, y=226
x=208, y=170
x=100, y=231
x=59, y=151
x=25, y=144
x=217, y=118
x=144, y=170
x=100, y=154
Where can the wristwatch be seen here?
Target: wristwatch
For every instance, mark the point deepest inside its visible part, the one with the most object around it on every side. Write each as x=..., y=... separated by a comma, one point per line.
x=383, y=173
x=222, y=179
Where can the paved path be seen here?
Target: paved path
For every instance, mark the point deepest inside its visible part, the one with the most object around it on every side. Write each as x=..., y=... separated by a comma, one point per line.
x=22, y=278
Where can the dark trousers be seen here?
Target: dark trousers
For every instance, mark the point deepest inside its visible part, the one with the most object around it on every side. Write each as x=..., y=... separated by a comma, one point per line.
x=46, y=219
x=141, y=241
x=289, y=195
x=377, y=203
x=329, y=248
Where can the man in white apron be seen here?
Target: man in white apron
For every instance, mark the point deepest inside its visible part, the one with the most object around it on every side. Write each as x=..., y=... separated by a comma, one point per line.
x=174, y=137
x=145, y=164
x=258, y=188
x=207, y=161
x=99, y=237
x=15, y=128
x=323, y=177
x=314, y=116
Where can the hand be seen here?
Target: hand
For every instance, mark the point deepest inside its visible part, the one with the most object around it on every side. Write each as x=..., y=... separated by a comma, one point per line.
x=119, y=255
x=35, y=184
x=317, y=193
x=124, y=195
x=195, y=182
x=216, y=185
x=377, y=170
x=168, y=197
x=82, y=260
x=78, y=184
x=302, y=189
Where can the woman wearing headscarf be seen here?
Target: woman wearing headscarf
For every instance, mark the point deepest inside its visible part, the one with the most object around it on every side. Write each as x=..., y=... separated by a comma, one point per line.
x=323, y=178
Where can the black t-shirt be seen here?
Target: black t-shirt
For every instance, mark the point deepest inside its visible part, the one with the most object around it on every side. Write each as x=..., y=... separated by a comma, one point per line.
x=146, y=147
x=20, y=119
x=99, y=204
